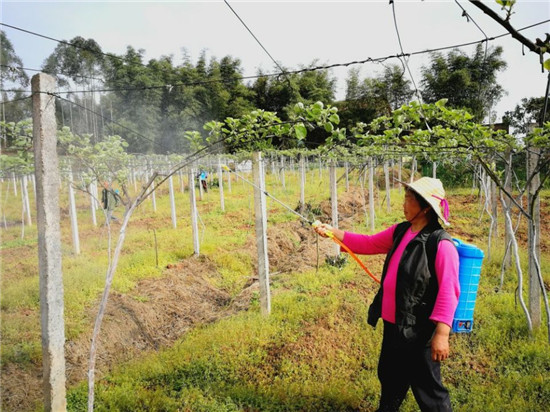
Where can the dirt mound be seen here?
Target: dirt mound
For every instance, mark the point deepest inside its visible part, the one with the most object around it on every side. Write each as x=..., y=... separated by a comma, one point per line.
x=295, y=247
x=153, y=315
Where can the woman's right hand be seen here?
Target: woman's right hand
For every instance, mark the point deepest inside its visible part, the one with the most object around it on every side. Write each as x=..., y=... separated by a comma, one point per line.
x=322, y=229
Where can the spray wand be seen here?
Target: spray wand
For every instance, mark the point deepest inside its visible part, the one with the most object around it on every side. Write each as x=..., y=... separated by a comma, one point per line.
x=314, y=224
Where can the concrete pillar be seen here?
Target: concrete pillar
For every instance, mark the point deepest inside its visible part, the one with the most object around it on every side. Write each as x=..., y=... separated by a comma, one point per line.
x=302, y=182
x=73, y=216
x=334, y=201
x=346, y=165
x=49, y=243
x=261, y=233
x=194, y=216
x=399, y=174
x=92, y=203
x=25, y=200
x=283, y=180
x=182, y=186
x=220, y=184
x=229, y=180
x=14, y=184
x=153, y=196
x=413, y=168
x=533, y=237
x=172, y=201
x=371, y=193
x=388, y=186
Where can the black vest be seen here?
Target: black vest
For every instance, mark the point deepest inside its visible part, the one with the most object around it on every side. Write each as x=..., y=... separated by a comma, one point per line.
x=417, y=285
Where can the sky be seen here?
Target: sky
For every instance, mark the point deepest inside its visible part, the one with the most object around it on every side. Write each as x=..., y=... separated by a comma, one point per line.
x=294, y=33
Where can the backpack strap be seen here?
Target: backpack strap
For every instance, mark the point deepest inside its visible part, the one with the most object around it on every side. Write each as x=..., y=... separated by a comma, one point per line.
x=431, y=247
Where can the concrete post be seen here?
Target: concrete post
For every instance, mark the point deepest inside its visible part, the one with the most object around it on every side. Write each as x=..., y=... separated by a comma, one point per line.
x=92, y=203
x=261, y=233
x=334, y=201
x=302, y=182
x=399, y=173
x=533, y=237
x=194, y=216
x=220, y=184
x=182, y=186
x=283, y=181
x=49, y=243
x=229, y=181
x=388, y=186
x=134, y=179
x=371, y=193
x=25, y=199
x=172, y=201
x=413, y=168
x=153, y=196
x=14, y=184
x=73, y=216
x=347, y=176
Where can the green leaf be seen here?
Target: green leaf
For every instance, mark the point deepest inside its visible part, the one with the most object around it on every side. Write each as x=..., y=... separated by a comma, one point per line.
x=301, y=131
x=329, y=127
x=334, y=118
x=546, y=64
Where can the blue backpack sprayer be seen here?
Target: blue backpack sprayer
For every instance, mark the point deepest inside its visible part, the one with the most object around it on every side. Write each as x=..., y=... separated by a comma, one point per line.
x=469, y=270
x=470, y=259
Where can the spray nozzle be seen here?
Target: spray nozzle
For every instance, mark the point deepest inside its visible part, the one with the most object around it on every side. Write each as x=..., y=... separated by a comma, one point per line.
x=328, y=233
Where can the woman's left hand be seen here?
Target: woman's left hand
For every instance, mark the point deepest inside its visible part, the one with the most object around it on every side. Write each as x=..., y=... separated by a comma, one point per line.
x=440, y=342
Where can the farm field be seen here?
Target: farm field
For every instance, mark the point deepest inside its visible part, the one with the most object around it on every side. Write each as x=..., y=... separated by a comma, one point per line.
x=187, y=333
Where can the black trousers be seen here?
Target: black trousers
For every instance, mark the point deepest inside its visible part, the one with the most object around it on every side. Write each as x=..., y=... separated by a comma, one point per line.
x=403, y=365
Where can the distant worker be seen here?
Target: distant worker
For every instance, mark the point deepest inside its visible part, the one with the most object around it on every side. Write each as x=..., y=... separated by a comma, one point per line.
x=202, y=177
x=109, y=198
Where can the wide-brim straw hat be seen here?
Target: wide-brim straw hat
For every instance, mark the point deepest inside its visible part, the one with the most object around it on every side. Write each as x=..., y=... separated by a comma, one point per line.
x=432, y=192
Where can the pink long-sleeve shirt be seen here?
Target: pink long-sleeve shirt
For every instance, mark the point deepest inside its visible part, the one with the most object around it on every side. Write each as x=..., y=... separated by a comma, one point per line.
x=446, y=270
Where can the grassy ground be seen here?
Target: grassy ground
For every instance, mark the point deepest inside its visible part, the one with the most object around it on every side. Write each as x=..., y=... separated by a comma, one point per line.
x=315, y=351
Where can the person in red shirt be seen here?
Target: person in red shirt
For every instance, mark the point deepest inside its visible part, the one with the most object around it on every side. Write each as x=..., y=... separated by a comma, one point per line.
x=417, y=298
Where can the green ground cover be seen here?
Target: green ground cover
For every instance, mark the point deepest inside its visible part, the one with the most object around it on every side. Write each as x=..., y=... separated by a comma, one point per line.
x=315, y=351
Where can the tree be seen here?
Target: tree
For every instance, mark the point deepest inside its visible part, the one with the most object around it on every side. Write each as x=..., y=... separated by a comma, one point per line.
x=280, y=94
x=11, y=64
x=395, y=87
x=526, y=114
x=272, y=94
x=14, y=105
x=314, y=85
x=466, y=82
x=138, y=99
x=374, y=96
x=78, y=62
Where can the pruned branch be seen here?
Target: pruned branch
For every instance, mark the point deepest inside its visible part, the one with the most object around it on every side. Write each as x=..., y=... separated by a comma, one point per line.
x=539, y=47
x=506, y=24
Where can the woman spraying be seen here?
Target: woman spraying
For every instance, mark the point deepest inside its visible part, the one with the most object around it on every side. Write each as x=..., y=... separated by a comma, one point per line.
x=417, y=298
